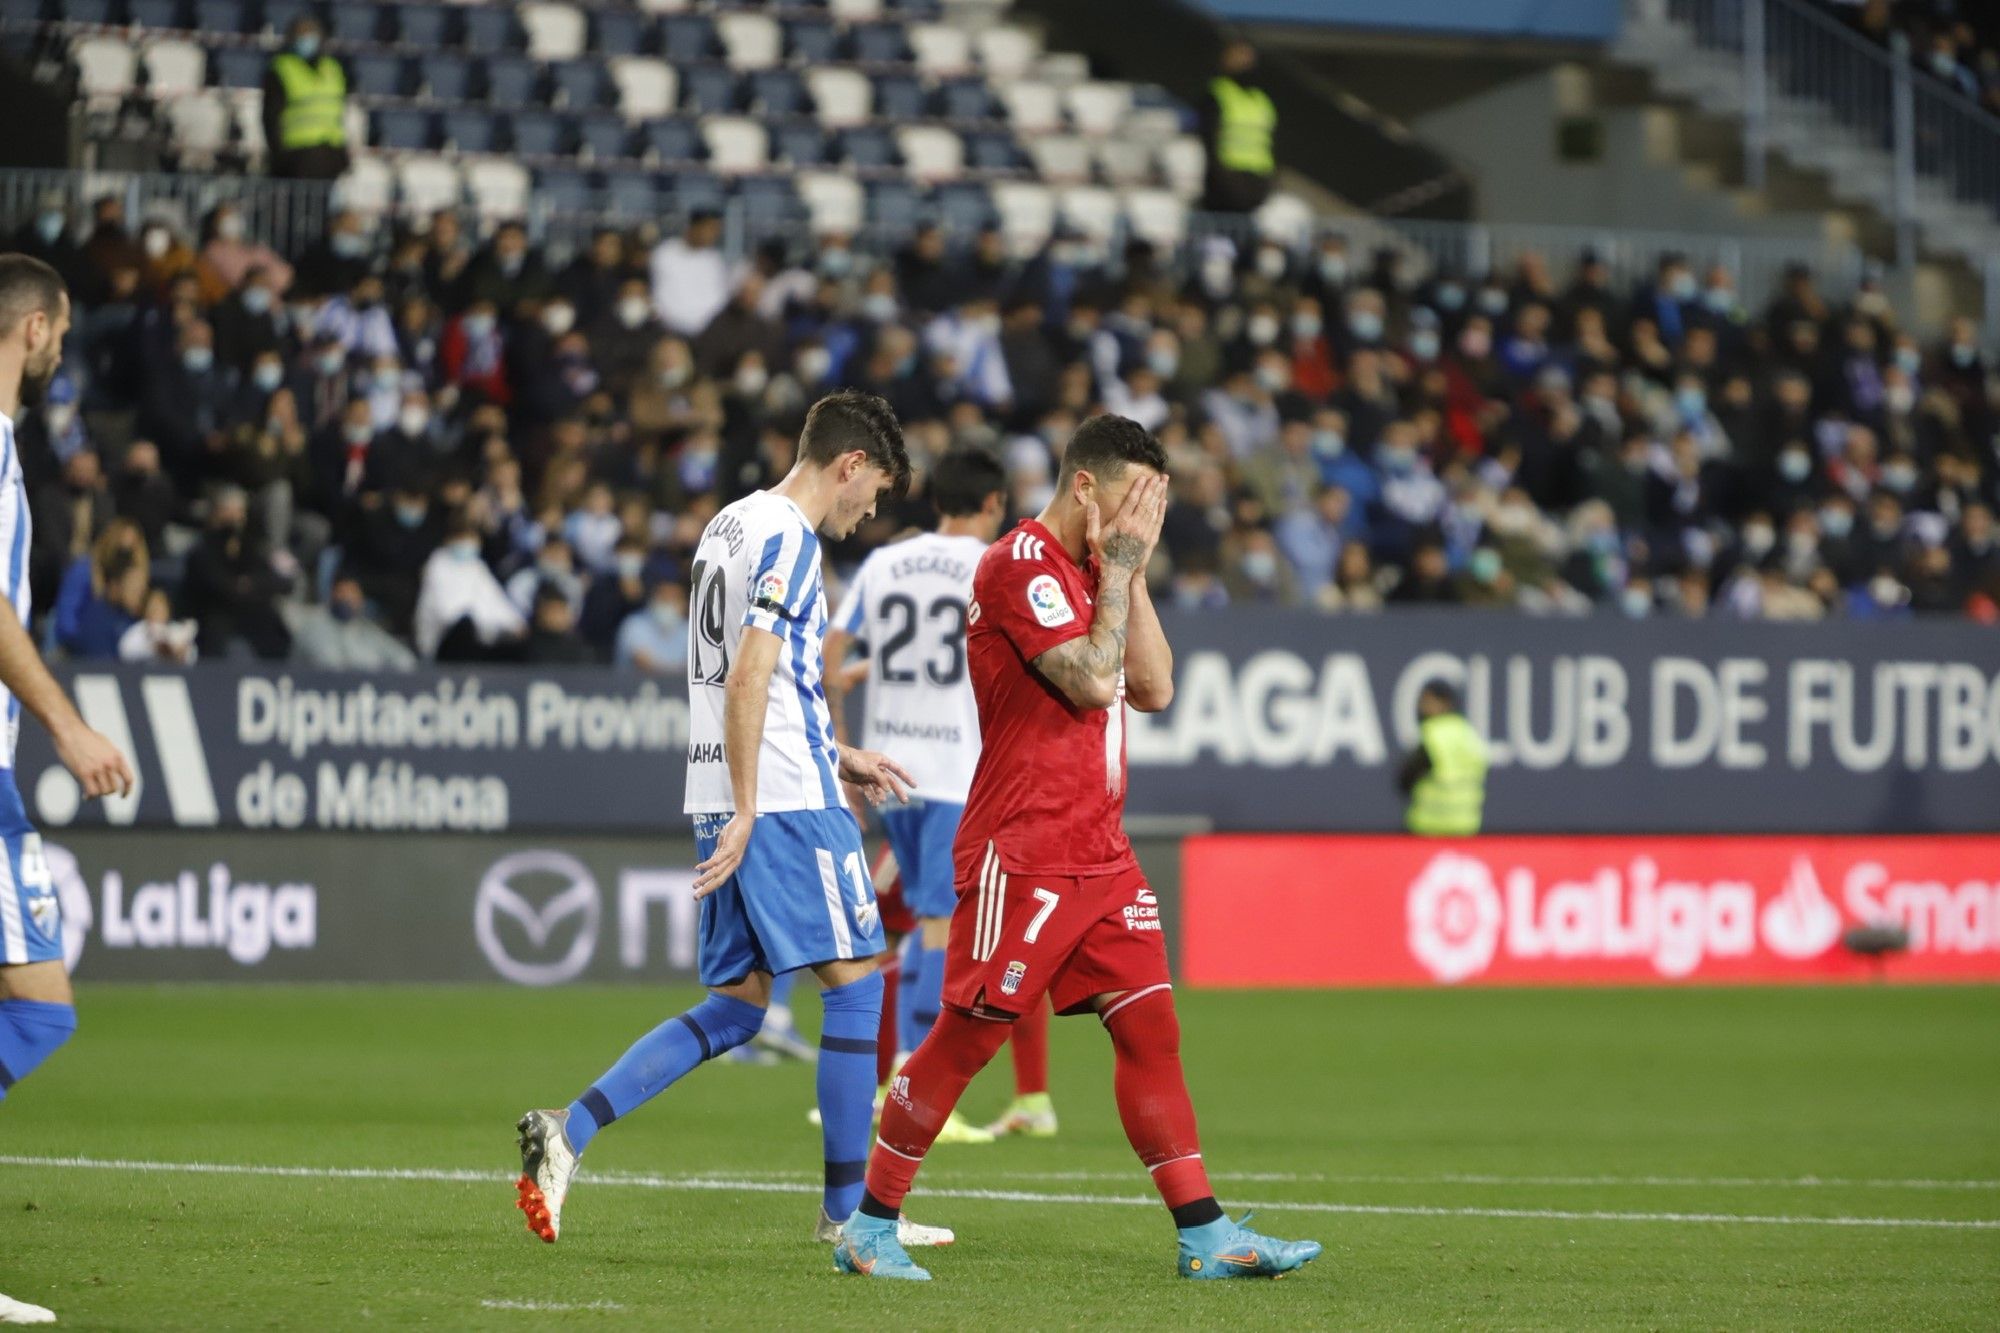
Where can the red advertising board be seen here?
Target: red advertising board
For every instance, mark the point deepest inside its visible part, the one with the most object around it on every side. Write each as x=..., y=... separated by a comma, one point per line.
x=1329, y=910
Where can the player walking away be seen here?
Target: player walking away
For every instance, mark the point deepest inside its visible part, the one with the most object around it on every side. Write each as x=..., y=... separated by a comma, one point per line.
x=781, y=880
x=907, y=606
x=37, y=1009
x=1051, y=899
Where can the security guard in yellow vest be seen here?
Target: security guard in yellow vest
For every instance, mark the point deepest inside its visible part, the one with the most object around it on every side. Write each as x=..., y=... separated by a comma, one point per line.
x=1238, y=123
x=1445, y=776
x=305, y=107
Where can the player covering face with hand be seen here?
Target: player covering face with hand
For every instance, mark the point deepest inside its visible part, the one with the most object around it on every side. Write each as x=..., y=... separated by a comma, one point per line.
x=1052, y=905
x=781, y=880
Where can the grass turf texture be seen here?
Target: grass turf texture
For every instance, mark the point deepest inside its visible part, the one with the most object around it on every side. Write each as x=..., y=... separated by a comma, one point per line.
x=1449, y=1100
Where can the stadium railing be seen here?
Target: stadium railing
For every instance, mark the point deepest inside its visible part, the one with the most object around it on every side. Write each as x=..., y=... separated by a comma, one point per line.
x=287, y=215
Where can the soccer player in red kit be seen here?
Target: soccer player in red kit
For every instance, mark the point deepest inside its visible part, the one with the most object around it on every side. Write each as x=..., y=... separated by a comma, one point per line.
x=1052, y=905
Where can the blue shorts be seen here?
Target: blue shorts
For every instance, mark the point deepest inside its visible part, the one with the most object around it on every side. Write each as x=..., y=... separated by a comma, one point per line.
x=803, y=895
x=30, y=914
x=921, y=835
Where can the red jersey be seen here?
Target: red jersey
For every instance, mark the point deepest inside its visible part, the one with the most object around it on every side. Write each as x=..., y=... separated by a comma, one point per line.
x=1049, y=790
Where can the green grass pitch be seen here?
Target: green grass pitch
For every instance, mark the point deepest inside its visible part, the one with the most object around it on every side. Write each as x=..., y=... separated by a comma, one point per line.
x=1494, y=1159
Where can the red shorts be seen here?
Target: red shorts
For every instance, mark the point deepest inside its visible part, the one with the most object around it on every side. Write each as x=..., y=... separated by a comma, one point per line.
x=1015, y=938
x=897, y=919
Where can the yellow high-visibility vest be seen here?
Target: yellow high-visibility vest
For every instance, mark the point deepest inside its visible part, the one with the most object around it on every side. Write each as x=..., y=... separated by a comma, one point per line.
x=315, y=103
x=1449, y=801
x=1244, y=123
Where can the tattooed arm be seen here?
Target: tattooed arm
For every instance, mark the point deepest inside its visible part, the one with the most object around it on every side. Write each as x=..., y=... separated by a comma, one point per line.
x=1086, y=669
x=1149, y=660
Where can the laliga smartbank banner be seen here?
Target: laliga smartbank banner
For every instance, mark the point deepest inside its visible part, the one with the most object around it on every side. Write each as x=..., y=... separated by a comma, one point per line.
x=1337, y=911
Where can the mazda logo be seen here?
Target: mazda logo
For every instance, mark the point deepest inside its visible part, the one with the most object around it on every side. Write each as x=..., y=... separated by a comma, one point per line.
x=577, y=899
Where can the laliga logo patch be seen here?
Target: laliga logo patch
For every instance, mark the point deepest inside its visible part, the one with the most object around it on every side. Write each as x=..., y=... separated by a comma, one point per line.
x=1012, y=981
x=771, y=588
x=1046, y=600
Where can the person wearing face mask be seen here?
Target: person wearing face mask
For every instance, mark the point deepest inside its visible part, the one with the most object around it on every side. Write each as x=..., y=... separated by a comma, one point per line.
x=623, y=334
x=305, y=106
x=359, y=321
x=392, y=542
x=185, y=405
x=654, y=640
x=231, y=252
x=463, y=614
x=342, y=636
x=614, y=596
x=47, y=234
x=1669, y=300
x=334, y=262
x=474, y=355
x=248, y=324
x=232, y=587
x=1255, y=571
x=509, y=274
x=1238, y=122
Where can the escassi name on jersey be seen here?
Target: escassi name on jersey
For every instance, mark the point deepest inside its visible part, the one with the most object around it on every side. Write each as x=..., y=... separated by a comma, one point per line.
x=930, y=563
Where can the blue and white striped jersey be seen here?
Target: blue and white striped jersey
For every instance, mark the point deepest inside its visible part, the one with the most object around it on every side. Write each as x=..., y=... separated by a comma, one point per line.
x=758, y=566
x=14, y=541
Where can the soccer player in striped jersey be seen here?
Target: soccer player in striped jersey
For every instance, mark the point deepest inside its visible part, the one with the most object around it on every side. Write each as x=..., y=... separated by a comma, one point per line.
x=781, y=880
x=37, y=1009
x=1053, y=906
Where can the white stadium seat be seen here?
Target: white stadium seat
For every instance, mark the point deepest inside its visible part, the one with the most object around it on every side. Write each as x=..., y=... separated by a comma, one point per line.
x=1007, y=52
x=665, y=6
x=1027, y=214
x=247, y=105
x=1123, y=162
x=1090, y=210
x=855, y=11
x=750, y=41
x=1060, y=159
x=1033, y=108
x=1159, y=216
x=647, y=88
x=1183, y=163
x=941, y=49
x=174, y=68
x=1098, y=108
x=369, y=187
x=835, y=201
x=1285, y=218
x=736, y=144
x=1151, y=124
x=499, y=187
x=1065, y=69
x=200, y=124
x=555, y=31
x=931, y=153
x=841, y=97
x=106, y=68
x=426, y=182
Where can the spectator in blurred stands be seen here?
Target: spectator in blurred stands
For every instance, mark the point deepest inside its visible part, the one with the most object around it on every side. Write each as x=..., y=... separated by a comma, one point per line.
x=463, y=614
x=234, y=583
x=250, y=321
x=70, y=513
x=186, y=406
x=1238, y=123
x=341, y=636
x=305, y=106
x=156, y=637
x=231, y=254
x=691, y=277
x=87, y=577
x=552, y=637
x=1444, y=777
x=140, y=492
x=654, y=640
x=113, y=610
x=614, y=596
x=48, y=236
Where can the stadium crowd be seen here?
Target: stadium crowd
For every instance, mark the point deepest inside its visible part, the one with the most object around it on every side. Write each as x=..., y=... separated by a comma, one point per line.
x=1958, y=41
x=419, y=444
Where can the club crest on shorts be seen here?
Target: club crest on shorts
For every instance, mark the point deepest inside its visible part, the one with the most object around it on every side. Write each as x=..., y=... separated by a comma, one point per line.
x=1012, y=981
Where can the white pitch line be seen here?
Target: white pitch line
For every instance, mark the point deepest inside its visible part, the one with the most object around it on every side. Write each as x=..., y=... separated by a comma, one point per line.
x=550, y=1307
x=738, y=1185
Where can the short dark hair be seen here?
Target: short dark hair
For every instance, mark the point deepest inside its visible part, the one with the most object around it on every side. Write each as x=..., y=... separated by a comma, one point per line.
x=26, y=286
x=843, y=422
x=1106, y=445
x=963, y=479
x=1441, y=693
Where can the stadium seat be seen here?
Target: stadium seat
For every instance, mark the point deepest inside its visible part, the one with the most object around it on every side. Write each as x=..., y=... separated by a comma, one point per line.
x=581, y=85
x=965, y=208
x=474, y=130
x=1060, y=159
x=404, y=128
x=512, y=81
x=646, y=87
x=711, y=89
x=992, y=151
x=1122, y=162
x=166, y=15
x=779, y=93
x=834, y=201
x=107, y=69
x=105, y=12
x=895, y=206
x=539, y=133
x=855, y=11
x=498, y=188
x=377, y=75
x=931, y=153
x=447, y=76
x=174, y=67
x=666, y=6
x=879, y=43
x=966, y=99
x=564, y=192
x=1034, y=108
x=355, y=118
x=555, y=31
x=868, y=147
x=811, y=40
x=604, y=138
x=1027, y=214
x=355, y=24
x=631, y=195
x=942, y=50
x=671, y=140
x=1159, y=216
x=1183, y=162
x=238, y=67
x=425, y=184
x=247, y=105
x=369, y=187
x=201, y=126
x=737, y=145
x=22, y=13
x=901, y=97
x=1065, y=69
x=802, y=143
x=426, y=26
x=622, y=33
x=767, y=200
x=1006, y=52
x=490, y=30
x=841, y=97
x=219, y=17
x=688, y=190
x=1285, y=218
x=1098, y=108
x=687, y=37
x=1150, y=124
x=1090, y=210
x=279, y=15
x=750, y=40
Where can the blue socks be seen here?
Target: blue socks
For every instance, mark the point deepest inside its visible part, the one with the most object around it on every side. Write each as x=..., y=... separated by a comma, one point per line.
x=920, y=996
x=853, y=1016
x=719, y=1023
x=30, y=1032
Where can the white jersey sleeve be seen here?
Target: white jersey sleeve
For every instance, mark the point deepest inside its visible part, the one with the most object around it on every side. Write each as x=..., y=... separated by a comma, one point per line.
x=908, y=605
x=16, y=538
x=757, y=566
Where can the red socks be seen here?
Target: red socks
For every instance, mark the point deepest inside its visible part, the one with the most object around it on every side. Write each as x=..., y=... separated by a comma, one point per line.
x=885, y=1040
x=1152, y=1093
x=923, y=1094
x=1031, y=1051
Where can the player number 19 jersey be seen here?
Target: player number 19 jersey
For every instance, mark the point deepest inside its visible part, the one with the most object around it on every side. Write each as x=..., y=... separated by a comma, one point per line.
x=758, y=567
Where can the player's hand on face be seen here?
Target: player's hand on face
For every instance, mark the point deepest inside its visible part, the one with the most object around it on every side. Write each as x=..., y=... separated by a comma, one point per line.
x=96, y=762
x=877, y=775
x=713, y=873
x=1128, y=539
